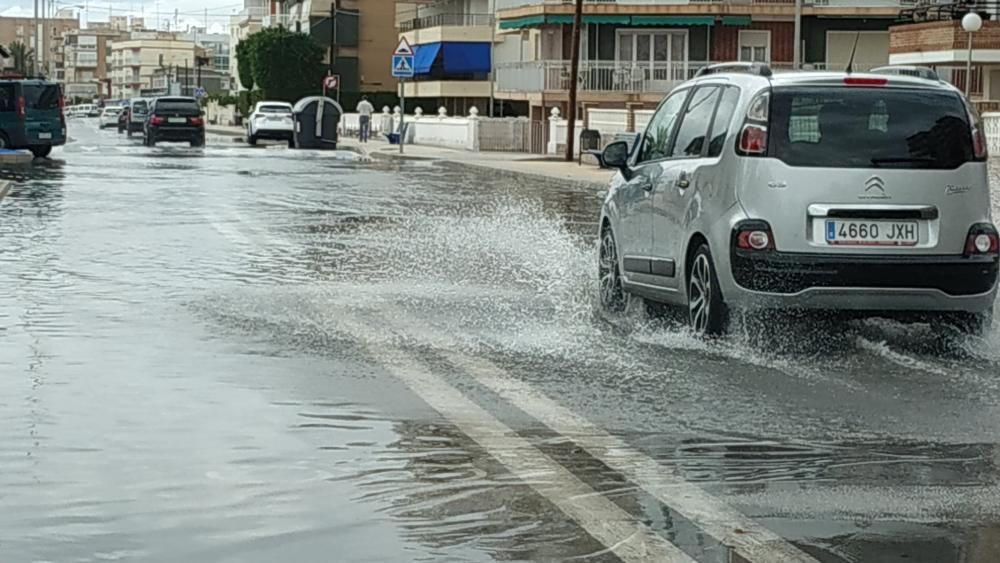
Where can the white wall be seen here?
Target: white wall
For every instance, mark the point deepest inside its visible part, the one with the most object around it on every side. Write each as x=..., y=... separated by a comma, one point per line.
x=991, y=123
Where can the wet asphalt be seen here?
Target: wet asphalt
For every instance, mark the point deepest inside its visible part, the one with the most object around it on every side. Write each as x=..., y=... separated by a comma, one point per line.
x=193, y=367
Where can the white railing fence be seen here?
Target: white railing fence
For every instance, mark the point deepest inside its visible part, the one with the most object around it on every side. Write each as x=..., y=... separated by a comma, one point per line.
x=991, y=125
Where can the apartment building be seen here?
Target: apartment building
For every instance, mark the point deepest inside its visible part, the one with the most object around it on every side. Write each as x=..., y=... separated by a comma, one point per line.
x=46, y=40
x=87, y=54
x=933, y=36
x=452, y=53
x=135, y=61
x=634, y=51
x=242, y=25
x=216, y=44
x=357, y=36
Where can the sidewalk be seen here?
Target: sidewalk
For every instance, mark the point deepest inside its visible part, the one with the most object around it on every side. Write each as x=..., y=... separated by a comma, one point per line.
x=540, y=166
x=518, y=163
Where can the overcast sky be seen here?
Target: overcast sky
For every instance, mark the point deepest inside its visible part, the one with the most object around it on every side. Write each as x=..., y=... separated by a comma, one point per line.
x=190, y=12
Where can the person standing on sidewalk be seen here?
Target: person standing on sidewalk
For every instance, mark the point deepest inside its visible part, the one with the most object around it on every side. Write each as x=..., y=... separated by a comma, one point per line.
x=365, y=109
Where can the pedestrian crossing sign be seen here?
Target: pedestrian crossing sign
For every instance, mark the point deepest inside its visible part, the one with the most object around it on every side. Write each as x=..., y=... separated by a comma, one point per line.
x=402, y=66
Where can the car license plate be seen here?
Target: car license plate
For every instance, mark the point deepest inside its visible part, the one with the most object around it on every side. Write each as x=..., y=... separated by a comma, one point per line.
x=177, y=120
x=45, y=135
x=872, y=233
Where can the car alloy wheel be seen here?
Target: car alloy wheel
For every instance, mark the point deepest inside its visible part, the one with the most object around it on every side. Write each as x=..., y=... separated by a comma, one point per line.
x=700, y=294
x=613, y=296
x=706, y=309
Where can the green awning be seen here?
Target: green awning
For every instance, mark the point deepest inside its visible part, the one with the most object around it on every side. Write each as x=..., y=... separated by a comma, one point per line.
x=568, y=20
x=607, y=19
x=683, y=21
x=518, y=23
x=736, y=21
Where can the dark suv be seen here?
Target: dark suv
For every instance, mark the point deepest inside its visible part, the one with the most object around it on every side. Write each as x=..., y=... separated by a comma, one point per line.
x=176, y=119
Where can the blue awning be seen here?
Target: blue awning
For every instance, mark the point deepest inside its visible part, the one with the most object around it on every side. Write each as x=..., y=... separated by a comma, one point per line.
x=424, y=56
x=466, y=58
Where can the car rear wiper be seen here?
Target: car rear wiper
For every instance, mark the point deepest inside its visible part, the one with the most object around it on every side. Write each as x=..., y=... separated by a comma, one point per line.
x=903, y=160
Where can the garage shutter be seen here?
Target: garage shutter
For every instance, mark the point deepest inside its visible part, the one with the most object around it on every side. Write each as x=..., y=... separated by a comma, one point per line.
x=873, y=49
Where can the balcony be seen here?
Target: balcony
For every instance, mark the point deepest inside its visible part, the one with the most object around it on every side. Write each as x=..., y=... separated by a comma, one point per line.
x=275, y=20
x=614, y=76
x=615, y=6
x=439, y=20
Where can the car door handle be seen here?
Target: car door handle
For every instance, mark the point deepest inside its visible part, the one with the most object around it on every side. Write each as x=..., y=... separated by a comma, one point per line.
x=645, y=184
x=683, y=180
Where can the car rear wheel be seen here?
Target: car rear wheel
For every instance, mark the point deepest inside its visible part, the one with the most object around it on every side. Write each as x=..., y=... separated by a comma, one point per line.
x=706, y=309
x=613, y=296
x=41, y=152
x=4, y=143
x=252, y=140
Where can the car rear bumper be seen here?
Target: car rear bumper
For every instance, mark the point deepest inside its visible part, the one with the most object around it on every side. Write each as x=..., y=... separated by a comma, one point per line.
x=178, y=134
x=862, y=282
x=282, y=134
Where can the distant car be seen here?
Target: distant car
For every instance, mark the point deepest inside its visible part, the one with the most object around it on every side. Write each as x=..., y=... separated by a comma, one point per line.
x=271, y=120
x=109, y=117
x=94, y=111
x=138, y=111
x=174, y=119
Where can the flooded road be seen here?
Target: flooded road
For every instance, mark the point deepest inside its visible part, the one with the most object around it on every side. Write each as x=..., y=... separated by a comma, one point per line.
x=243, y=354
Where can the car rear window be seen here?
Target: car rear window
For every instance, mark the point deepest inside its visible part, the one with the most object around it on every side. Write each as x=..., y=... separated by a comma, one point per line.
x=180, y=107
x=139, y=107
x=275, y=109
x=41, y=96
x=845, y=127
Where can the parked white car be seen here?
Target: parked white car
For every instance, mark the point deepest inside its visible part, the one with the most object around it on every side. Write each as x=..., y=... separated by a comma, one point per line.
x=271, y=120
x=109, y=117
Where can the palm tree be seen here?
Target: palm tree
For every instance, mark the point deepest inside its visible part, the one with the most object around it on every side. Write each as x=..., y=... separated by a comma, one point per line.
x=23, y=56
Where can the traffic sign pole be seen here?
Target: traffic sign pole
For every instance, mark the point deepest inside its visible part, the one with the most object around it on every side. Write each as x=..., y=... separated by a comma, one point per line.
x=402, y=68
x=402, y=111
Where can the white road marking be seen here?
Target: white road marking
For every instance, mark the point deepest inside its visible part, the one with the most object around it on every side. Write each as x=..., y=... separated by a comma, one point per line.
x=606, y=522
x=733, y=529
x=4, y=189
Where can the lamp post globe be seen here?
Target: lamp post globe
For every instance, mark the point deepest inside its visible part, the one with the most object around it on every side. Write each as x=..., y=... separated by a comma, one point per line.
x=972, y=22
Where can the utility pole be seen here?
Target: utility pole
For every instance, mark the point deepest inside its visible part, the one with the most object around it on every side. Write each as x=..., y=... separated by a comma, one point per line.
x=797, y=51
x=493, y=38
x=574, y=73
x=333, y=38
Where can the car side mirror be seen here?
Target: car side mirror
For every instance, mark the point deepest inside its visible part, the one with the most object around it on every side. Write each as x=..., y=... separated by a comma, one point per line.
x=615, y=155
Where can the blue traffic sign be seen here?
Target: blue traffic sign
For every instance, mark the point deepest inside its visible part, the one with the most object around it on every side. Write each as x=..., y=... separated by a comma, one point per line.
x=402, y=66
x=200, y=93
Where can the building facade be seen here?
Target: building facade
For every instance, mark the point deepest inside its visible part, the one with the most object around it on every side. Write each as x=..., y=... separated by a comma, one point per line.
x=87, y=53
x=135, y=61
x=357, y=36
x=241, y=26
x=46, y=40
x=216, y=44
x=452, y=44
x=632, y=52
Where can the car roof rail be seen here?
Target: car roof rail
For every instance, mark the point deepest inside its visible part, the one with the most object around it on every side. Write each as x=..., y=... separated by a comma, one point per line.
x=759, y=69
x=924, y=72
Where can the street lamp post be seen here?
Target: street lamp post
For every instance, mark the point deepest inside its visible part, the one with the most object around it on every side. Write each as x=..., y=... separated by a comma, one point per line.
x=971, y=23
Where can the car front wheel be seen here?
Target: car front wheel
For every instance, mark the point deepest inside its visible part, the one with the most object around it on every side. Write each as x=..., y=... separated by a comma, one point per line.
x=706, y=309
x=613, y=296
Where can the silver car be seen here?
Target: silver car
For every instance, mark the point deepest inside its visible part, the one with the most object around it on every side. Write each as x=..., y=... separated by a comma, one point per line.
x=865, y=193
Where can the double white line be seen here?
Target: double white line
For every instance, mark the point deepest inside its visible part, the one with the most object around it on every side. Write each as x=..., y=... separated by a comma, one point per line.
x=620, y=532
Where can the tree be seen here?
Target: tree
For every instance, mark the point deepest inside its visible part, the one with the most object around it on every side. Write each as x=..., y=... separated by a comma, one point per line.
x=24, y=57
x=244, y=61
x=286, y=65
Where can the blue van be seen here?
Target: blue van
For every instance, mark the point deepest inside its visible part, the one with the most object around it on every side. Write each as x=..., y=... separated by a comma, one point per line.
x=31, y=115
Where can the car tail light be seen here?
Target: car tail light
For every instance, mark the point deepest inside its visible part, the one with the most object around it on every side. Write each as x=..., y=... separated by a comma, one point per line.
x=865, y=82
x=754, y=235
x=156, y=120
x=21, y=114
x=982, y=239
x=197, y=121
x=753, y=136
x=753, y=139
x=979, y=143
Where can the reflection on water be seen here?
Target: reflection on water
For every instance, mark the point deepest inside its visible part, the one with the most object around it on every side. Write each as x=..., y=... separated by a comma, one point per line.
x=176, y=384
